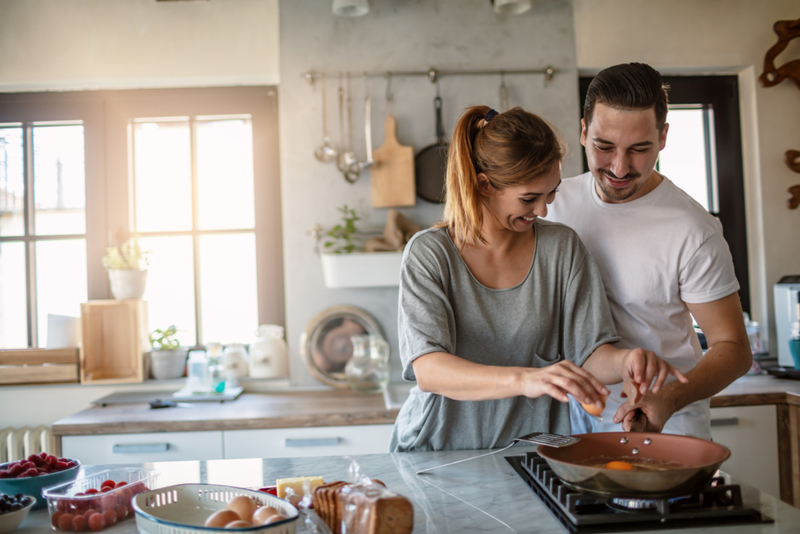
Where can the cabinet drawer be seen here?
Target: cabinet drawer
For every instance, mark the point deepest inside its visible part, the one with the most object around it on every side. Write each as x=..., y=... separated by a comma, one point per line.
x=751, y=433
x=138, y=448
x=312, y=441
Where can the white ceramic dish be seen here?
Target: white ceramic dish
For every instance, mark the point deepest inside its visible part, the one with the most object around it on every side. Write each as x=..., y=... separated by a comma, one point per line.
x=10, y=521
x=183, y=509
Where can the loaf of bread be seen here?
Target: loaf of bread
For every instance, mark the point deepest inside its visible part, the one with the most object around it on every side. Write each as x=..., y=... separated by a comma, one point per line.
x=375, y=510
x=326, y=504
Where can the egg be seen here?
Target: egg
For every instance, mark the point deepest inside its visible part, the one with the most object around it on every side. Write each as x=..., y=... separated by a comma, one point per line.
x=221, y=518
x=264, y=513
x=591, y=409
x=274, y=519
x=244, y=507
x=239, y=524
x=619, y=465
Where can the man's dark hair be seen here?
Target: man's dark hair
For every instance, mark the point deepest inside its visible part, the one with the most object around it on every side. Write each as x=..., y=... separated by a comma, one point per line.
x=628, y=86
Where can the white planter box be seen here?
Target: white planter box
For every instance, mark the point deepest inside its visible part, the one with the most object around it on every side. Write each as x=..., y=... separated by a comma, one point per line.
x=361, y=269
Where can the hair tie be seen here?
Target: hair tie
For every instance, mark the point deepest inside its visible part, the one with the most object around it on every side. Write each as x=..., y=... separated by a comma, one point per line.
x=489, y=115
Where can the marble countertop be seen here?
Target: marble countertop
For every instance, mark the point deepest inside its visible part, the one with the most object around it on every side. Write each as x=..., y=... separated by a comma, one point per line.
x=483, y=495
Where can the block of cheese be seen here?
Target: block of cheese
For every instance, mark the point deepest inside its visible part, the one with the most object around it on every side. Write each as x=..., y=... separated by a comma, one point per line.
x=297, y=485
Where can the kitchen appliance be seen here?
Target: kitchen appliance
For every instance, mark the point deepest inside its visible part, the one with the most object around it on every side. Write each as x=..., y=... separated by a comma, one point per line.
x=715, y=504
x=785, y=295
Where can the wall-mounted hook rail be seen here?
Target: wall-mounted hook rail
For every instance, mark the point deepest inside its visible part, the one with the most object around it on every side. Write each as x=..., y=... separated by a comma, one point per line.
x=433, y=74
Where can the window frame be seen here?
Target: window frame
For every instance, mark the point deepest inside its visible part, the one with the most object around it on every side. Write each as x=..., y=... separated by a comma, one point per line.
x=105, y=116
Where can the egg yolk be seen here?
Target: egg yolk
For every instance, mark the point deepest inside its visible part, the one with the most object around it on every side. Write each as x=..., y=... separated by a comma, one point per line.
x=619, y=465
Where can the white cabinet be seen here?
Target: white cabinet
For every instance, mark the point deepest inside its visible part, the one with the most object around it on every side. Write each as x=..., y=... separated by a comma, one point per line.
x=751, y=433
x=311, y=441
x=140, y=448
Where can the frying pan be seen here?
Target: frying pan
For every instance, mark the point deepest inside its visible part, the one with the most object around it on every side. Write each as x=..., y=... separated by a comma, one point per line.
x=701, y=457
x=430, y=164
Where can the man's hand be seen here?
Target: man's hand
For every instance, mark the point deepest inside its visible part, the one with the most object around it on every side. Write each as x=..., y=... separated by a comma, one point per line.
x=643, y=366
x=654, y=407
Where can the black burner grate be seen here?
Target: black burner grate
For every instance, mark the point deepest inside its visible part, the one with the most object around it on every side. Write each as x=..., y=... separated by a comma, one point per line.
x=717, y=504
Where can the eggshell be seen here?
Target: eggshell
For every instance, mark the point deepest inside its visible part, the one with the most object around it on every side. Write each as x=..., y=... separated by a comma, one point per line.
x=221, y=518
x=274, y=519
x=244, y=507
x=264, y=513
x=591, y=409
x=238, y=524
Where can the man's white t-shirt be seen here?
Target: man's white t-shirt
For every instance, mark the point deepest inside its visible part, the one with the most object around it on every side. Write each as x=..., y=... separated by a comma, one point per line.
x=655, y=254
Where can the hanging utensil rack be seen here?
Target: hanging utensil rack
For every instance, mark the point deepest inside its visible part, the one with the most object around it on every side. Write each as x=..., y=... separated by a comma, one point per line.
x=432, y=74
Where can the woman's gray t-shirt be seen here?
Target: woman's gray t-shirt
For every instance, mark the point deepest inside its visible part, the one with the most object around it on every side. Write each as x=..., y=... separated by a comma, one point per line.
x=559, y=311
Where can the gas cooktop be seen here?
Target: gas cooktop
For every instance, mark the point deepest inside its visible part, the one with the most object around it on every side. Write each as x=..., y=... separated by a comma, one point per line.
x=717, y=504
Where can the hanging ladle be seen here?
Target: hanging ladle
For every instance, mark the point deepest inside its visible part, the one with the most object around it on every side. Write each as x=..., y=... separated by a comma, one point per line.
x=325, y=152
x=346, y=156
x=354, y=170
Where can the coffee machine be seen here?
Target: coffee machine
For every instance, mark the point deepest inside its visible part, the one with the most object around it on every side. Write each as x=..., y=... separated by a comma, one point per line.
x=786, y=294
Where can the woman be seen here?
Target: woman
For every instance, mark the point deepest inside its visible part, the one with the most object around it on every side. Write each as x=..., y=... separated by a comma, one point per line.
x=503, y=315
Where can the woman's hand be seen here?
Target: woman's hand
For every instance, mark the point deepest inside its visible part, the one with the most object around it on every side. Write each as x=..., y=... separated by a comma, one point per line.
x=562, y=379
x=643, y=366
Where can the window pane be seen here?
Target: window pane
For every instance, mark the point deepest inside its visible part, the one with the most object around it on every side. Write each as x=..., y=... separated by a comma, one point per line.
x=12, y=183
x=228, y=286
x=60, y=280
x=225, y=174
x=162, y=176
x=59, y=180
x=13, y=304
x=683, y=160
x=170, y=285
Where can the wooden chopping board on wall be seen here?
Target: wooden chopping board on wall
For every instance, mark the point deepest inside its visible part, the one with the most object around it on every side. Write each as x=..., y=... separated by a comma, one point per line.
x=392, y=174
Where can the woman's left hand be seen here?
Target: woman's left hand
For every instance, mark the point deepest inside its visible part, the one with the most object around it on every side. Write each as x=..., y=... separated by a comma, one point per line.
x=643, y=366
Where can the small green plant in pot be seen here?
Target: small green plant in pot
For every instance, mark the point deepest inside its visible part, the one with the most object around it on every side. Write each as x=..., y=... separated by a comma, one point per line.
x=167, y=358
x=127, y=269
x=342, y=237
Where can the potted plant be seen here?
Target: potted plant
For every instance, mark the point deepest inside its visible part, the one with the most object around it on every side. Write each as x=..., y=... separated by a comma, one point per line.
x=344, y=264
x=167, y=358
x=127, y=269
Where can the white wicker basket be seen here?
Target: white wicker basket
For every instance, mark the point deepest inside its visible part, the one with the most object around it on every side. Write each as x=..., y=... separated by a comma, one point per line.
x=184, y=508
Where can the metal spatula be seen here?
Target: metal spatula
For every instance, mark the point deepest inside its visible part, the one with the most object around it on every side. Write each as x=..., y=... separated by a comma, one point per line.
x=539, y=438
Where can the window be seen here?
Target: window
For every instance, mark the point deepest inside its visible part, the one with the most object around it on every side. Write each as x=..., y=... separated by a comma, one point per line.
x=703, y=156
x=192, y=173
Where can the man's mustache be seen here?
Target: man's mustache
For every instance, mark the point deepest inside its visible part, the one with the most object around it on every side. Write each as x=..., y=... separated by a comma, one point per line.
x=629, y=176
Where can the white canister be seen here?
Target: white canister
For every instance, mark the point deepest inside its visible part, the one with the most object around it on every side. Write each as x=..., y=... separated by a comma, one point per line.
x=269, y=356
x=234, y=360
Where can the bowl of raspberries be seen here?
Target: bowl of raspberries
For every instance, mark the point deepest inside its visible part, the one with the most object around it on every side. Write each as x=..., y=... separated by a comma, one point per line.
x=38, y=471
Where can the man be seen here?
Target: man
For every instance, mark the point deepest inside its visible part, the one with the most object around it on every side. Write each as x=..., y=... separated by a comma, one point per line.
x=661, y=255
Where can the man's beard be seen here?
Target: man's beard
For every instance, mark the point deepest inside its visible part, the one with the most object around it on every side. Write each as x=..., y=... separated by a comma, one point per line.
x=618, y=194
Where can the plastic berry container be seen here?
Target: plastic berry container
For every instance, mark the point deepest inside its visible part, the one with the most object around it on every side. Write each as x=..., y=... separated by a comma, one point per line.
x=72, y=505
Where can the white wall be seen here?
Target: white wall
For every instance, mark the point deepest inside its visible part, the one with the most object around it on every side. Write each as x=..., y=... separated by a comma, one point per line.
x=446, y=34
x=53, y=45
x=720, y=36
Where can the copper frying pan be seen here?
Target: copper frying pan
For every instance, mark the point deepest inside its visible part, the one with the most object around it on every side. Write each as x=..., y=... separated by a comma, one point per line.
x=701, y=457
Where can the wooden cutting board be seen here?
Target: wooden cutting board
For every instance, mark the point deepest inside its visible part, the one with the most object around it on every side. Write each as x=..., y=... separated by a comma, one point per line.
x=393, y=171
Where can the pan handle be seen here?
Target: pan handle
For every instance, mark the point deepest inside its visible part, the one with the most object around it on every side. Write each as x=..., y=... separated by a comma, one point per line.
x=437, y=104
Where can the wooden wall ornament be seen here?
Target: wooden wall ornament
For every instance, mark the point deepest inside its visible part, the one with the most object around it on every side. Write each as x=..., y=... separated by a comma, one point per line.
x=786, y=30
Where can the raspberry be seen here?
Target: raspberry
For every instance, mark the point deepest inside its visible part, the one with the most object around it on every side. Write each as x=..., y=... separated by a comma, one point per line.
x=32, y=472
x=16, y=470
x=28, y=465
x=52, y=460
x=43, y=455
x=36, y=460
x=71, y=464
x=60, y=466
x=5, y=474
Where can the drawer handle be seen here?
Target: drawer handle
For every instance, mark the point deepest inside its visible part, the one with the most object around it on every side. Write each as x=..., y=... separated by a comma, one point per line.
x=135, y=448
x=311, y=442
x=726, y=421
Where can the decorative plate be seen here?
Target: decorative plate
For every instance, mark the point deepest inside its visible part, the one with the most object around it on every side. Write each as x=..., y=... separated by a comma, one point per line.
x=326, y=346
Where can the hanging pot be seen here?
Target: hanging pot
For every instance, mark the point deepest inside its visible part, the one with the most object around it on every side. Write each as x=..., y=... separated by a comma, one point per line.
x=430, y=164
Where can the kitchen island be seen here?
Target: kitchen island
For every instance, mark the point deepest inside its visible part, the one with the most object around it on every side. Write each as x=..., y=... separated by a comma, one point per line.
x=483, y=495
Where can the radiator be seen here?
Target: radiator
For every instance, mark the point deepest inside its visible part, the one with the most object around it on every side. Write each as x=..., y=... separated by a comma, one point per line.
x=19, y=443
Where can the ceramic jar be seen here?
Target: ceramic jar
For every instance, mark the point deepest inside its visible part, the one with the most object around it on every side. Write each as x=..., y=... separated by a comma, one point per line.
x=269, y=355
